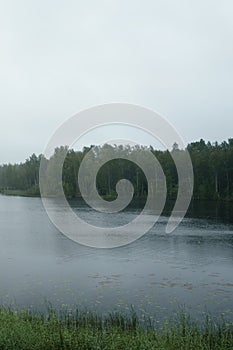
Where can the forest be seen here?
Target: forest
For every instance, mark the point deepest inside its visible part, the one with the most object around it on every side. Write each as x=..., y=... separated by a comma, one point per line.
x=212, y=166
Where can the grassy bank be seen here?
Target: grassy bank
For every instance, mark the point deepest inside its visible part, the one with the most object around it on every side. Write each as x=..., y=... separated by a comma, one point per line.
x=22, y=193
x=27, y=330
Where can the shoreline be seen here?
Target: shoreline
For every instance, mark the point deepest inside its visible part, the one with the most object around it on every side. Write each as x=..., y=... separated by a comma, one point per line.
x=81, y=330
x=28, y=193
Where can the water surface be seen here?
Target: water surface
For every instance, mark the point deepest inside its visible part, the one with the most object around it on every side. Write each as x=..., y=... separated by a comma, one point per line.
x=158, y=273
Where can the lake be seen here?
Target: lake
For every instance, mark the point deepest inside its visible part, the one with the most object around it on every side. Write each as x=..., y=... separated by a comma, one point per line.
x=157, y=274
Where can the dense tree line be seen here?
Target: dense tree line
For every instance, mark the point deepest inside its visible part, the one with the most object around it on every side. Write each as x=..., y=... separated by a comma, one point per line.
x=23, y=176
x=212, y=165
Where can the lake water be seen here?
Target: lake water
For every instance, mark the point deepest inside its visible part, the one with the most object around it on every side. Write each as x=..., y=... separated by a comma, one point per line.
x=158, y=274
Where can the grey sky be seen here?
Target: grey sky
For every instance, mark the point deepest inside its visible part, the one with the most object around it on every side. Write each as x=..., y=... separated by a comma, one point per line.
x=58, y=57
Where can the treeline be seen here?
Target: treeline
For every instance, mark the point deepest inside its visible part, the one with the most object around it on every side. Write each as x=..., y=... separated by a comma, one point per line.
x=212, y=165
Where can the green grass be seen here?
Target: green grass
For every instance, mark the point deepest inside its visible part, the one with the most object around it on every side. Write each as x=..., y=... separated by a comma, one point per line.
x=23, y=193
x=86, y=330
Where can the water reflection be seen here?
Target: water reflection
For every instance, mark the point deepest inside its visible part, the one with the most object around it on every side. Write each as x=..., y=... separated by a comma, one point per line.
x=157, y=273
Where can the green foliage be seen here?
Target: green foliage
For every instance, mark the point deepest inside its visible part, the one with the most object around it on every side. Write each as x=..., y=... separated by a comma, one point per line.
x=213, y=169
x=24, y=330
x=212, y=164
x=23, y=177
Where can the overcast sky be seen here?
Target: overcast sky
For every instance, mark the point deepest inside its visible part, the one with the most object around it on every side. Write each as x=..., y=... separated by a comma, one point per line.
x=61, y=56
